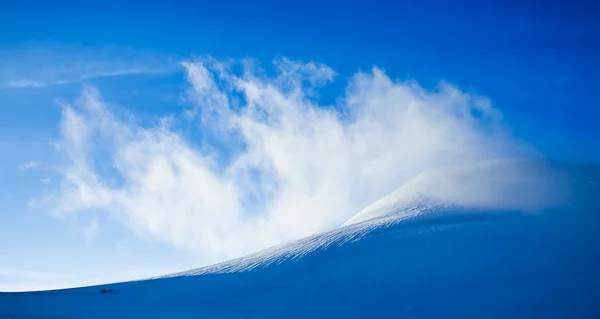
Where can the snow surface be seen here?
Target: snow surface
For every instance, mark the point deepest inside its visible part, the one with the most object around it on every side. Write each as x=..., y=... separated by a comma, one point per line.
x=501, y=239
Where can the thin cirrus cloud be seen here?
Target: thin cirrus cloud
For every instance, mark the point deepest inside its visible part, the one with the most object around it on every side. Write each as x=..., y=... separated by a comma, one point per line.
x=25, y=83
x=32, y=67
x=29, y=165
x=273, y=164
x=32, y=83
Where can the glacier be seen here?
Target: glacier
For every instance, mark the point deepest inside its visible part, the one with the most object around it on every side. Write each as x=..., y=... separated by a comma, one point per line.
x=497, y=239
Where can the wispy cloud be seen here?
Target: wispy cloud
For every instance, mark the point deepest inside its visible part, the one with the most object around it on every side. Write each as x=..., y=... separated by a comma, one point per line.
x=29, y=165
x=47, y=67
x=274, y=165
x=32, y=84
x=132, y=71
x=97, y=74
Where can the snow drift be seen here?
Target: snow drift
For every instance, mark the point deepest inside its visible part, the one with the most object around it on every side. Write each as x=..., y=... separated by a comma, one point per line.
x=511, y=238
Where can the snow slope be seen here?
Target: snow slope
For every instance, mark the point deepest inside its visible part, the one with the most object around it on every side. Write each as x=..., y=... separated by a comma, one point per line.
x=501, y=239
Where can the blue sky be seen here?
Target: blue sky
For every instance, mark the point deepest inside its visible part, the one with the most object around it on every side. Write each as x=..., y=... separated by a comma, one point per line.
x=135, y=142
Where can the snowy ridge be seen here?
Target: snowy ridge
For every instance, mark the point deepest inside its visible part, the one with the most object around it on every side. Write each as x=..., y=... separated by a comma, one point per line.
x=298, y=249
x=508, y=184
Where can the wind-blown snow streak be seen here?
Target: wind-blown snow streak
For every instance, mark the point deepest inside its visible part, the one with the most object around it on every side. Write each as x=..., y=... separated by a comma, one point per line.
x=504, y=184
x=498, y=185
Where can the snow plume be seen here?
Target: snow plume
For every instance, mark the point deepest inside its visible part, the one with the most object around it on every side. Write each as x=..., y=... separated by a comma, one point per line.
x=272, y=165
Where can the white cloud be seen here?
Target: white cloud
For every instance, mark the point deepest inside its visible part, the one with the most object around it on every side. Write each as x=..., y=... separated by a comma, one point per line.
x=33, y=67
x=32, y=83
x=46, y=180
x=277, y=166
x=120, y=72
x=26, y=83
x=28, y=165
